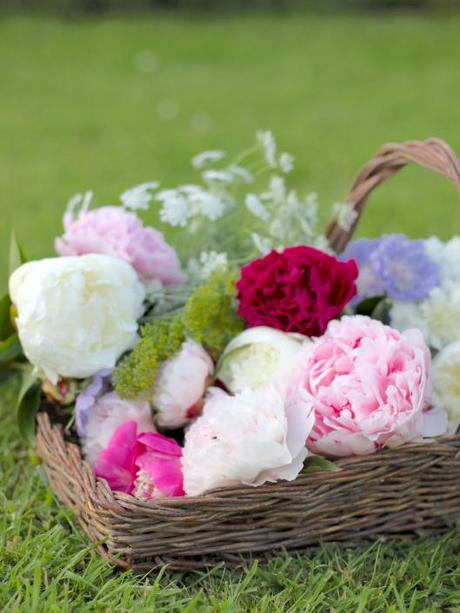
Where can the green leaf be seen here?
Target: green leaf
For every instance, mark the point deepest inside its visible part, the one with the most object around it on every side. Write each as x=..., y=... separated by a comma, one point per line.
x=368, y=305
x=315, y=464
x=6, y=328
x=17, y=256
x=10, y=349
x=27, y=406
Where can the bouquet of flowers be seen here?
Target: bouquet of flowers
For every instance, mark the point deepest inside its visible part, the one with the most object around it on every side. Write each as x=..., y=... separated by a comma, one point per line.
x=182, y=371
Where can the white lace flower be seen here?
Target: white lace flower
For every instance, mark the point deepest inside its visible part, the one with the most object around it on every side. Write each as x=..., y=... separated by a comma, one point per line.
x=321, y=243
x=446, y=383
x=255, y=206
x=266, y=140
x=345, y=215
x=277, y=191
x=175, y=210
x=81, y=202
x=241, y=173
x=139, y=197
x=286, y=162
x=211, y=206
x=263, y=245
x=211, y=261
x=204, y=158
x=217, y=176
x=207, y=263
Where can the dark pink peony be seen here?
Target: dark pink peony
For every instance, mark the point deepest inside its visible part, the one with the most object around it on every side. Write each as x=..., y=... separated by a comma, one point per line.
x=147, y=465
x=298, y=290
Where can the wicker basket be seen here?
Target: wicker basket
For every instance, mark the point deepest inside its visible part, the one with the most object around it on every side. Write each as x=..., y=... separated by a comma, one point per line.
x=393, y=494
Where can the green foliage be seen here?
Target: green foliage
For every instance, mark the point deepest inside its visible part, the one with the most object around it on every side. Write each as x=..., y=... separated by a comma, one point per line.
x=10, y=349
x=208, y=317
x=17, y=255
x=160, y=340
x=210, y=313
x=6, y=329
x=27, y=406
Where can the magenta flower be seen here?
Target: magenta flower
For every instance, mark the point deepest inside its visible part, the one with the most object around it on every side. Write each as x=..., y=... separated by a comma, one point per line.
x=111, y=230
x=147, y=465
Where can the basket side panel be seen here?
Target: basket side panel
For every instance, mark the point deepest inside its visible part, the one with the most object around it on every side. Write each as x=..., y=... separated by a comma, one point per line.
x=400, y=493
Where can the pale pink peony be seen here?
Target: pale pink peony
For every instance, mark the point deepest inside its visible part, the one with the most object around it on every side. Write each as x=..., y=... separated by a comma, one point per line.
x=180, y=386
x=104, y=418
x=147, y=465
x=111, y=230
x=252, y=437
x=369, y=385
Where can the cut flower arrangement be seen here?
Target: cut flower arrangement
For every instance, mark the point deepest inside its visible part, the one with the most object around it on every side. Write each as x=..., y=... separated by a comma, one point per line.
x=276, y=354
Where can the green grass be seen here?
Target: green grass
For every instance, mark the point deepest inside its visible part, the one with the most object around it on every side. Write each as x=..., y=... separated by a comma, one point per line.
x=76, y=113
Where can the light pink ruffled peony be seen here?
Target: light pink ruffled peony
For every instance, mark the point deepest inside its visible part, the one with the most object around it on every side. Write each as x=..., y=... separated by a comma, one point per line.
x=369, y=385
x=147, y=465
x=180, y=386
x=111, y=230
x=252, y=437
x=107, y=413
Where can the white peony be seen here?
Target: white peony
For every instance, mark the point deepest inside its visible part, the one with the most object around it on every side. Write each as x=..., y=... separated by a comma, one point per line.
x=181, y=384
x=446, y=383
x=253, y=437
x=447, y=256
x=107, y=414
x=257, y=356
x=438, y=316
x=76, y=315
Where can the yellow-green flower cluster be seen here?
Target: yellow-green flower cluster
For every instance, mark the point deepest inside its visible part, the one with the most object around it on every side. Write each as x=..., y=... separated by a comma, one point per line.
x=210, y=313
x=136, y=374
x=209, y=318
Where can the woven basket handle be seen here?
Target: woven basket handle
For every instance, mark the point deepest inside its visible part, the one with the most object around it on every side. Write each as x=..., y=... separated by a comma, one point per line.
x=433, y=154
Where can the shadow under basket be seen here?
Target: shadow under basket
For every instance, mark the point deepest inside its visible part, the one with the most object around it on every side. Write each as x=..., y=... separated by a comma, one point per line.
x=396, y=493
x=392, y=494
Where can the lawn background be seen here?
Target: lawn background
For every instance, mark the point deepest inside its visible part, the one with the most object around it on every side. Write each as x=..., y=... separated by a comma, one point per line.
x=104, y=105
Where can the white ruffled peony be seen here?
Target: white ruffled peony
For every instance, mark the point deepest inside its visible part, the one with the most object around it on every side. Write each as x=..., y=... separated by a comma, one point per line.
x=446, y=383
x=104, y=418
x=252, y=437
x=438, y=316
x=257, y=356
x=76, y=315
x=181, y=384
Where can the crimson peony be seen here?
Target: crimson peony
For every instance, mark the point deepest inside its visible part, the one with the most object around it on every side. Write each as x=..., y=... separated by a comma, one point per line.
x=298, y=290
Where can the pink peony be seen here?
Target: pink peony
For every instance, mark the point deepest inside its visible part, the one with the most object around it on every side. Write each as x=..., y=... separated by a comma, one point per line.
x=107, y=413
x=252, y=437
x=111, y=230
x=299, y=289
x=180, y=386
x=369, y=385
x=147, y=465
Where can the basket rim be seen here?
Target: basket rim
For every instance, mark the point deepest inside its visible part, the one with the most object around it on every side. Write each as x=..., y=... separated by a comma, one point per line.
x=346, y=467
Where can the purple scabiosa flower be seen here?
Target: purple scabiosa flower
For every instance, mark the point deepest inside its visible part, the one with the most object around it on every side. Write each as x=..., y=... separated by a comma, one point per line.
x=368, y=283
x=394, y=266
x=405, y=269
x=99, y=385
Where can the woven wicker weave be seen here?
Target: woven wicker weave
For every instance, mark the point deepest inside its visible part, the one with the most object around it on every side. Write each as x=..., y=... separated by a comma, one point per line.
x=393, y=494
